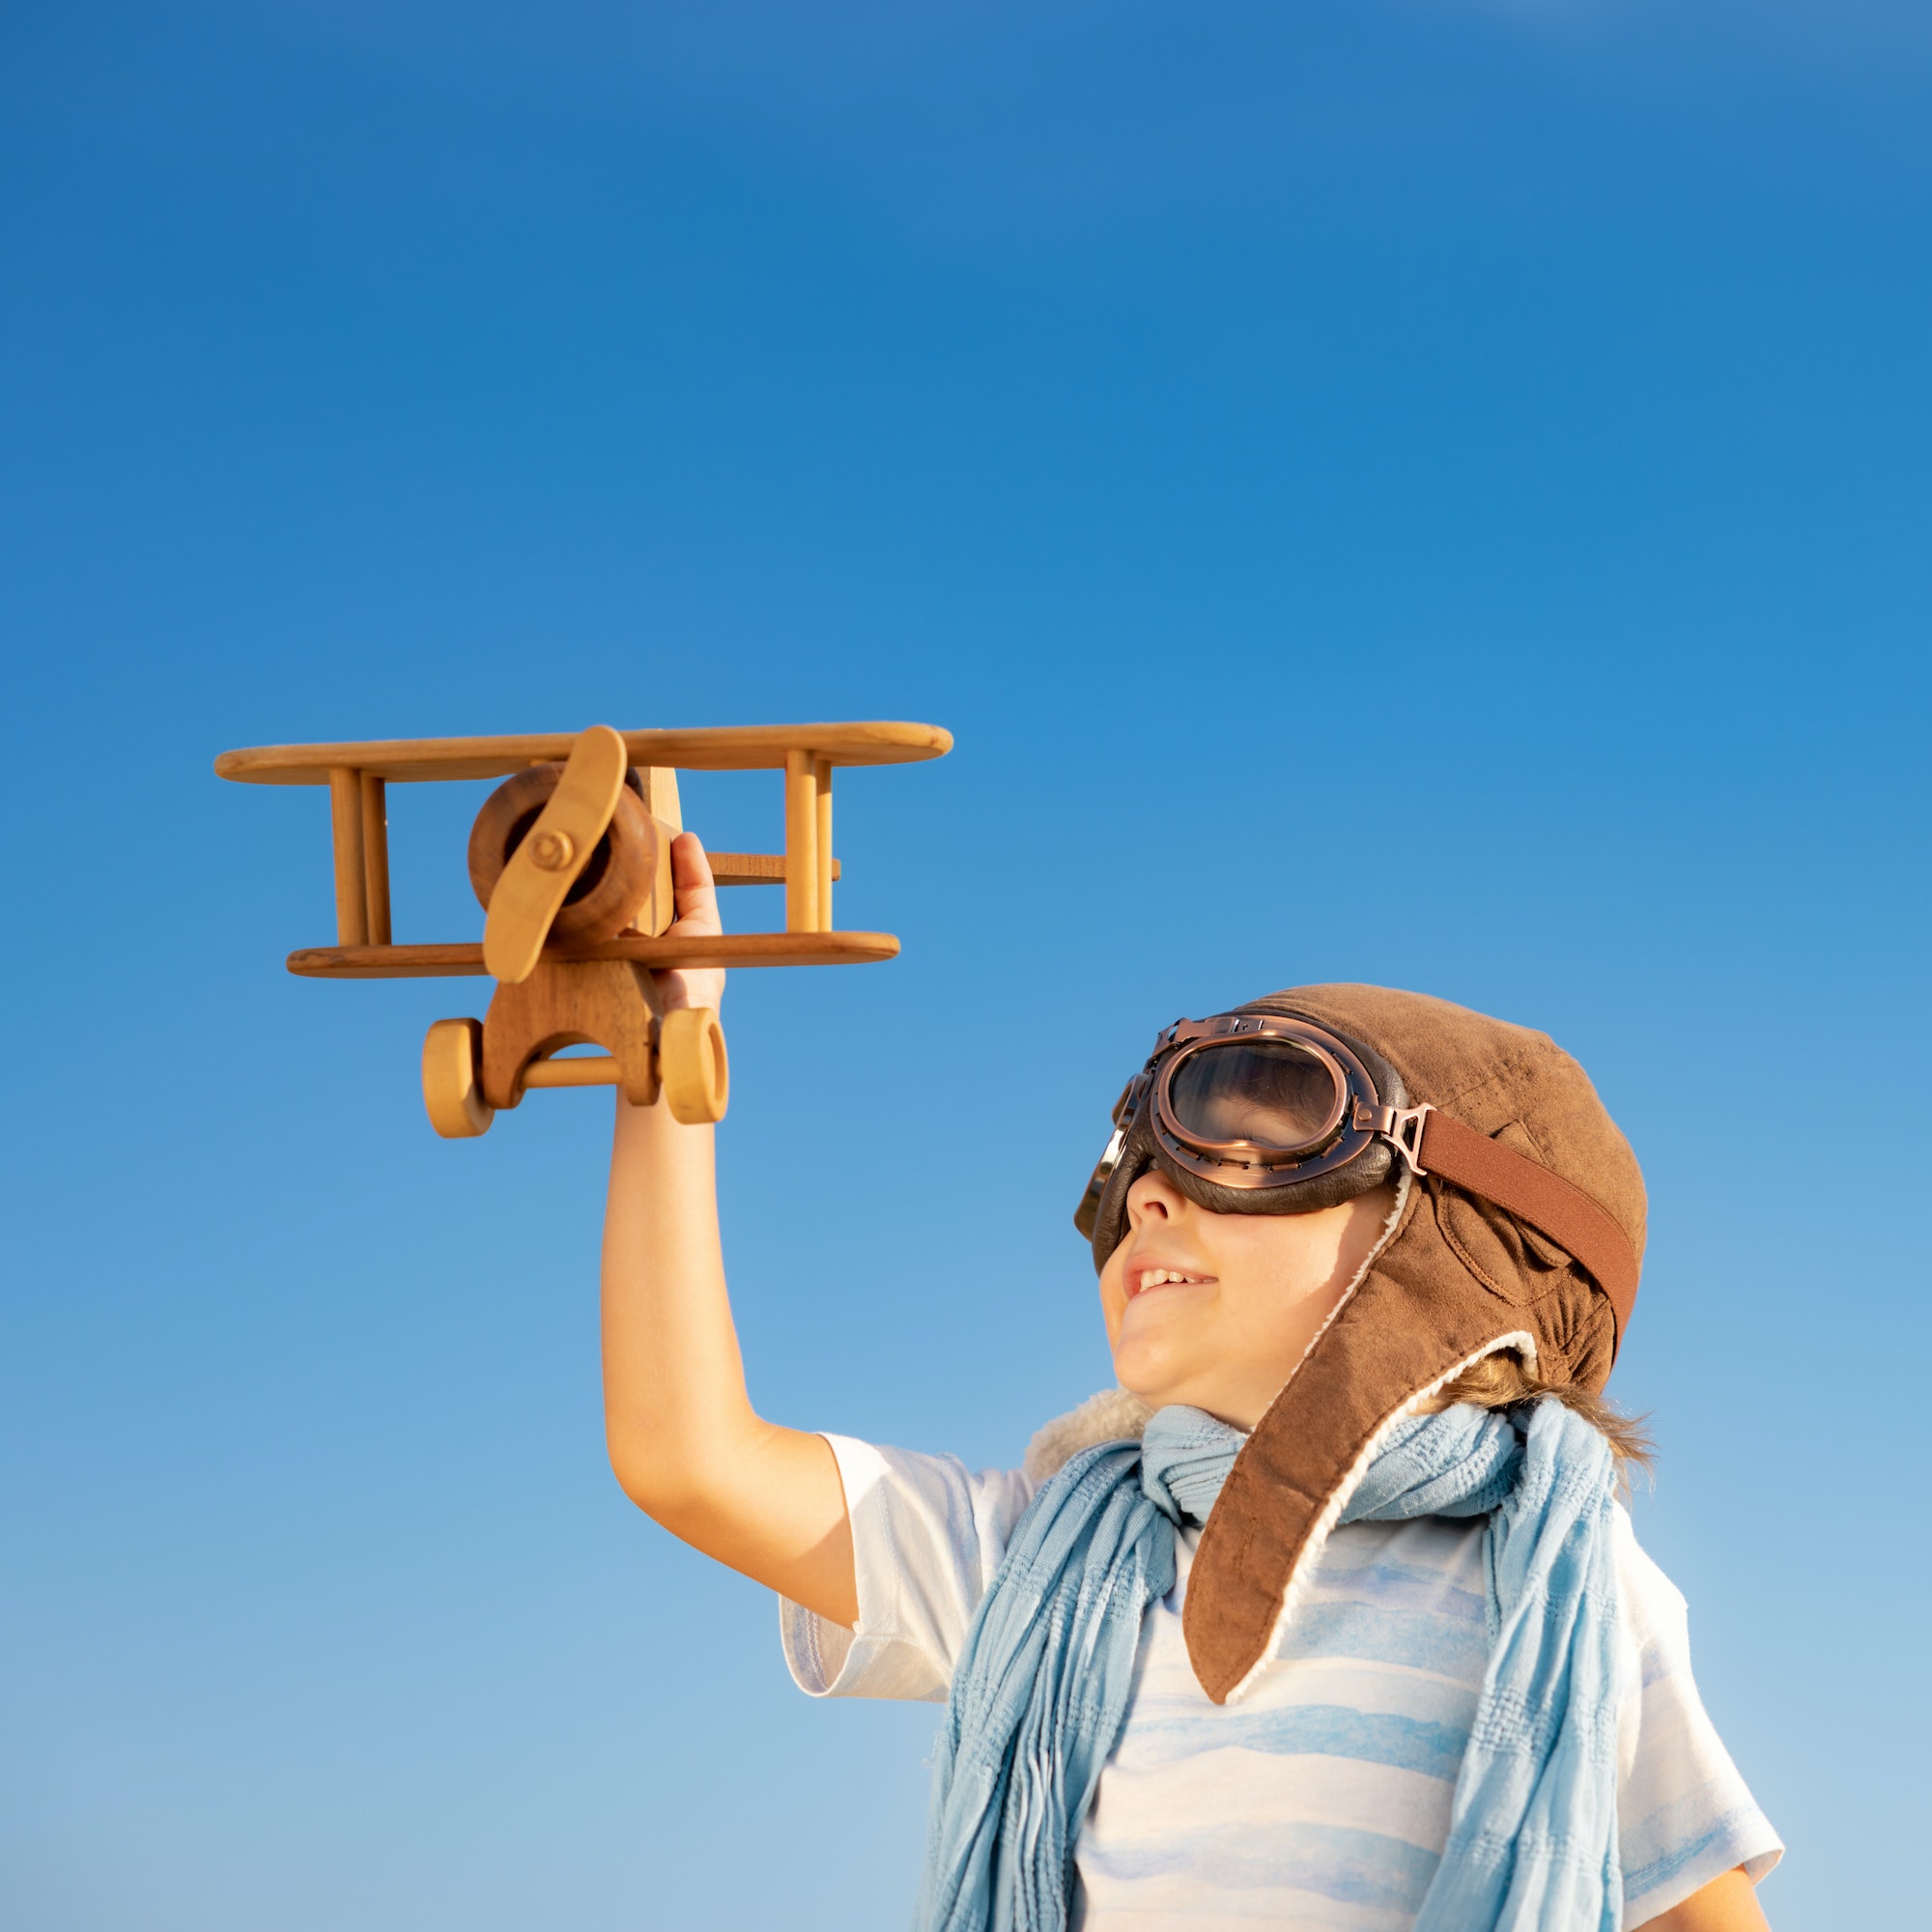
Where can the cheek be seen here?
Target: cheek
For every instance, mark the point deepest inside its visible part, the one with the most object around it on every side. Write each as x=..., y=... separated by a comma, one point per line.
x=1113, y=1299
x=1271, y=1262
x=1260, y=1257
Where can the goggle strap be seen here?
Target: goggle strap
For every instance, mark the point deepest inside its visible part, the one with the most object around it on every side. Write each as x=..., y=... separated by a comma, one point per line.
x=1576, y=1222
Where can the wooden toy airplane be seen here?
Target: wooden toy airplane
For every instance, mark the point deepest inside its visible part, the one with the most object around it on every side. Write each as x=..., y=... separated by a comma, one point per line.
x=570, y=858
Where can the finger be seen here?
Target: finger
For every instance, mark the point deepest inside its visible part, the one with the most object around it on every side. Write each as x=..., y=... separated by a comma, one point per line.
x=695, y=894
x=690, y=865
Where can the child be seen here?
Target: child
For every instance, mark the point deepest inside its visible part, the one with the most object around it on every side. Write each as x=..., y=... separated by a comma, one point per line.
x=1329, y=1617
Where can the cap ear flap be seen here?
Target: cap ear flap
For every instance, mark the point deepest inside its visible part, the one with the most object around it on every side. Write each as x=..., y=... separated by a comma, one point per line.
x=1582, y=1329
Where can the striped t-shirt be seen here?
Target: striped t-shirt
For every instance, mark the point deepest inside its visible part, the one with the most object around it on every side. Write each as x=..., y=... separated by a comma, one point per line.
x=1320, y=1801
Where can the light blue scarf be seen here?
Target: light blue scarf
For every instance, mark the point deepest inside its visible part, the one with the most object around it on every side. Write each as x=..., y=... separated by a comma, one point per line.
x=1042, y=1686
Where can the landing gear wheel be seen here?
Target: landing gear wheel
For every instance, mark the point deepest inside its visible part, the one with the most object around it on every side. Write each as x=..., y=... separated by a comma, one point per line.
x=452, y=1065
x=691, y=1065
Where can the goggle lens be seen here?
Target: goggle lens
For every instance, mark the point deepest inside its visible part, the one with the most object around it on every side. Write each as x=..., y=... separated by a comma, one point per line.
x=1253, y=1102
x=1275, y=1095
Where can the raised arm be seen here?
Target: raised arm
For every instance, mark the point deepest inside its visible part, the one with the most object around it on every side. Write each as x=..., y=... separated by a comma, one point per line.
x=1728, y=1904
x=684, y=1443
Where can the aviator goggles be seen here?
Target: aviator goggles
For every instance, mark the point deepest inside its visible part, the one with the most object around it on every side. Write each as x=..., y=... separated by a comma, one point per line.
x=1252, y=1101
x=1271, y=1108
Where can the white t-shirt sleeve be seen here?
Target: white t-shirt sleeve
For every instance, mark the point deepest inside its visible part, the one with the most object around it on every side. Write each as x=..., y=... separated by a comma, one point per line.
x=1684, y=1815
x=927, y=1540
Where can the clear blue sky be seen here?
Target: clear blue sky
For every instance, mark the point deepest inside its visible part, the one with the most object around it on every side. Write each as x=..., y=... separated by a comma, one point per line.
x=1426, y=492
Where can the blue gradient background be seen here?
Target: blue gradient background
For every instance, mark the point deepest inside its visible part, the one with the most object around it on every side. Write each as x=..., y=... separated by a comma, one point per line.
x=1426, y=492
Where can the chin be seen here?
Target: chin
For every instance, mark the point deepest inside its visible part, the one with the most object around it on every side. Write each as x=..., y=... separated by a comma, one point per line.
x=1145, y=1372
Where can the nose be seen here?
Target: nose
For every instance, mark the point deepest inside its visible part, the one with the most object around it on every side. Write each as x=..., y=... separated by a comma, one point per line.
x=1153, y=1196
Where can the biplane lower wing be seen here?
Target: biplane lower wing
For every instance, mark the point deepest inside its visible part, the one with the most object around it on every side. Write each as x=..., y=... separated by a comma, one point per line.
x=728, y=948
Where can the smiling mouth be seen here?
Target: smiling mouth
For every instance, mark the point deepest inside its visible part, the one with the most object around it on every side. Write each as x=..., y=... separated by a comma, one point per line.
x=1163, y=1277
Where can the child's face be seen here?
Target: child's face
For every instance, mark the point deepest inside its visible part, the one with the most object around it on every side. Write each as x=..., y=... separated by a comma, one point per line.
x=1252, y=1292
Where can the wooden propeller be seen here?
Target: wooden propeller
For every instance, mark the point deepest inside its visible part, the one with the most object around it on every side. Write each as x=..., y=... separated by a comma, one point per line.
x=556, y=848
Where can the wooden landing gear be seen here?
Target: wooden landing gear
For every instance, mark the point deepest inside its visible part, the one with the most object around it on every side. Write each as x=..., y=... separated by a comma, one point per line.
x=472, y=1067
x=452, y=1089
x=691, y=1066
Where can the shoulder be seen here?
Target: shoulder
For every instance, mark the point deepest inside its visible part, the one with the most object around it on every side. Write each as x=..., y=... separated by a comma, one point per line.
x=1635, y=1563
x=1654, y=1608
x=927, y=1538
x=893, y=1490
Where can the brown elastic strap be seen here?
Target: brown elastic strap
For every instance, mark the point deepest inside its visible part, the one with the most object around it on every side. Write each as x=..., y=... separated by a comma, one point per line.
x=1530, y=1191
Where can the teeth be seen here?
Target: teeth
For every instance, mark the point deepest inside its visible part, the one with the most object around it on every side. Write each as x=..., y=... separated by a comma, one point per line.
x=1161, y=1277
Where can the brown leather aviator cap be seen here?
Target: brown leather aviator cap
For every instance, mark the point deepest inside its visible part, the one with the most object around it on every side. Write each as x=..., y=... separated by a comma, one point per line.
x=1519, y=1143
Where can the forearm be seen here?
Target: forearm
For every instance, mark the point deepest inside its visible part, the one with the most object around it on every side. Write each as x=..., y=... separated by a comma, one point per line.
x=684, y=1443
x=674, y=1378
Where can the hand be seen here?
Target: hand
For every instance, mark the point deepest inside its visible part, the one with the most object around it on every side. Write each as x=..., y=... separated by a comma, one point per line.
x=696, y=902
